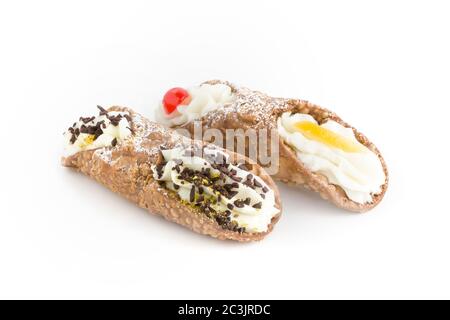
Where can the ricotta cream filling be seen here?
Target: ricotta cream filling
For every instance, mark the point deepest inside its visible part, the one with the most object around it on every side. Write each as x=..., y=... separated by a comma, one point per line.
x=333, y=151
x=107, y=129
x=250, y=205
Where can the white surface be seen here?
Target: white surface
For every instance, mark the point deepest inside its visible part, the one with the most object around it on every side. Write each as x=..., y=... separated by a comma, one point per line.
x=384, y=67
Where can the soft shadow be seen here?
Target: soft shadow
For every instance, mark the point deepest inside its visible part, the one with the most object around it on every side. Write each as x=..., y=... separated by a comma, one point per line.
x=297, y=200
x=86, y=188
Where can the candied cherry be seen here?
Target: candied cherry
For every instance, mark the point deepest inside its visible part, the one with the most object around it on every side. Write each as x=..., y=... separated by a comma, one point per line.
x=175, y=97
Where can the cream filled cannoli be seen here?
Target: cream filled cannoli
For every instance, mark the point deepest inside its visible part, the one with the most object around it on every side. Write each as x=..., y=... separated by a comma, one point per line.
x=308, y=145
x=205, y=188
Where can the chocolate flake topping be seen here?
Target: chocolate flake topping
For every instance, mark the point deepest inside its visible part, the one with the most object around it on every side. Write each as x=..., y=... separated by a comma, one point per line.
x=216, y=180
x=96, y=129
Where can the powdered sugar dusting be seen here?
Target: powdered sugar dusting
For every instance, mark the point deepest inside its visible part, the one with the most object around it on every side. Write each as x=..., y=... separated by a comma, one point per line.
x=251, y=103
x=105, y=154
x=140, y=141
x=147, y=138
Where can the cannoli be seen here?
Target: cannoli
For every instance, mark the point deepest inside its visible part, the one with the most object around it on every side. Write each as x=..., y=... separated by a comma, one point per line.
x=309, y=146
x=203, y=187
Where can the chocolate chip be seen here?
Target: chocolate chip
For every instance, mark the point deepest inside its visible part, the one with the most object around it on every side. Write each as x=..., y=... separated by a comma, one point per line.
x=257, y=205
x=192, y=194
x=114, y=142
x=238, y=179
x=160, y=169
x=91, y=129
x=162, y=183
x=257, y=184
x=239, y=203
x=249, y=183
x=98, y=133
x=247, y=201
x=85, y=120
x=230, y=206
x=102, y=110
x=114, y=119
x=84, y=129
x=231, y=194
x=265, y=189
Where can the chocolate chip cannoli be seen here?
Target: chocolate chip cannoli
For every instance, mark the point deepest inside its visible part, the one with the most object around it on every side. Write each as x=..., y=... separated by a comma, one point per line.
x=205, y=188
x=309, y=146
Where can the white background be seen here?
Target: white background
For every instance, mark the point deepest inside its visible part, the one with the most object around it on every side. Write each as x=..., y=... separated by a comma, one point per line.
x=382, y=65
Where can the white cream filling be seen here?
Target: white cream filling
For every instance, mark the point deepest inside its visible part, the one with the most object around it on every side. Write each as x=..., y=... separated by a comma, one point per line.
x=253, y=219
x=86, y=141
x=205, y=98
x=359, y=174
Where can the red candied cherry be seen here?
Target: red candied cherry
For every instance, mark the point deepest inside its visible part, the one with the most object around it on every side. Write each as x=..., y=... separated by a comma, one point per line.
x=174, y=97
